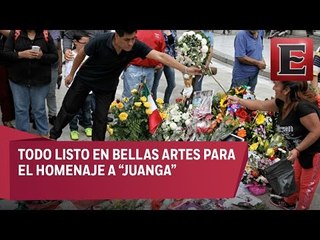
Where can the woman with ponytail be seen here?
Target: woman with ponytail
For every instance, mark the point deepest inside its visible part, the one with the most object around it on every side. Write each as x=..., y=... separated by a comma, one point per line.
x=299, y=123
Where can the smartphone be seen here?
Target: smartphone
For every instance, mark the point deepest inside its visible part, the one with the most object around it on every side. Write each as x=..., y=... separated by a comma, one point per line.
x=35, y=48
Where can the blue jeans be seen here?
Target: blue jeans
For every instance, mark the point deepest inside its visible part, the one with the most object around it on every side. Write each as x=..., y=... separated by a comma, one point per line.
x=133, y=76
x=51, y=97
x=197, y=86
x=171, y=83
x=35, y=96
x=249, y=81
x=84, y=115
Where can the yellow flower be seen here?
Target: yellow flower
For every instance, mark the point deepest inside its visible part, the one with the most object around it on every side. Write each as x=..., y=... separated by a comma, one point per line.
x=110, y=130
x=148, y=111
x=260, y=119
x=224, y=101
x=254, y=146
x=134, y=91
x=159, y=101
x=123, y=116
x=163, y=115
x=270, y=152
x=137, y=104
x=239, y=90
x=113, y=104
x=125, y=99
x=120, y=105
x=143, y=99
x=147, y=104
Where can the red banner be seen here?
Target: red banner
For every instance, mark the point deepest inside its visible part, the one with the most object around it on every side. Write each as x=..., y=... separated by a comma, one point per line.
x=40, y=169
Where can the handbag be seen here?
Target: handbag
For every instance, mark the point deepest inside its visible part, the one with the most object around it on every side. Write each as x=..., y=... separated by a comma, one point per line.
x=280, y=176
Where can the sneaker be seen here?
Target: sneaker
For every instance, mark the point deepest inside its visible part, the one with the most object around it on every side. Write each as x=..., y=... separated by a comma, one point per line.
x=8, y=124
x=74, y=135
x=88, y=132
x=279, y=202
x=52, y=119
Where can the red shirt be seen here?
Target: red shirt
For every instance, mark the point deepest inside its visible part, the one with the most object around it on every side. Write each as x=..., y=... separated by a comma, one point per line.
x=155, y=40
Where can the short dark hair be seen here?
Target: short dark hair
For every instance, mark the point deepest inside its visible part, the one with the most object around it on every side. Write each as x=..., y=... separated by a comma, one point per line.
x=128, y=31
x=78, y=34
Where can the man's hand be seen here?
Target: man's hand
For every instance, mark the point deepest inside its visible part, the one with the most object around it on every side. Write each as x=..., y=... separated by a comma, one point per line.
x=68, y=55
x=262, y=65
x=68, y=80
x=193, y=71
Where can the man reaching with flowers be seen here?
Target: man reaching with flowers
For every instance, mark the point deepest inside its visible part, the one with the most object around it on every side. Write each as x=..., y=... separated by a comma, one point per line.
x=109, y=54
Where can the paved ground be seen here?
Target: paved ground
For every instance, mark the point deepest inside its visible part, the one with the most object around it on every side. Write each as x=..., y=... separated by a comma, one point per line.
x=223, y=47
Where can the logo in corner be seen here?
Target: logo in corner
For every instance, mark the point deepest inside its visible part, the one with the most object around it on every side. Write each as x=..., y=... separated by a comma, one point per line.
x=291, y=59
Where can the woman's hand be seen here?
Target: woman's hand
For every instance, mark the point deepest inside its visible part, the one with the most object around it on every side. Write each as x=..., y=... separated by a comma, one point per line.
x=293, y=155
x=233, y=99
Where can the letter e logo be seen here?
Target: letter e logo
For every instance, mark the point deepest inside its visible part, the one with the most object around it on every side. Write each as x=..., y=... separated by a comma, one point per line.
x=291, y=59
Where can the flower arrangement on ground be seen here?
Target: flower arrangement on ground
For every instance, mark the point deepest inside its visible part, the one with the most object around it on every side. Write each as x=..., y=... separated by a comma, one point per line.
x=177, y=125
x=256, y=127
x=137, y=118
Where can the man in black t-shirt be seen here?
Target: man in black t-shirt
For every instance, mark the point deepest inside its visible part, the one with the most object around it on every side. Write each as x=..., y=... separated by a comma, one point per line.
x=109, y=54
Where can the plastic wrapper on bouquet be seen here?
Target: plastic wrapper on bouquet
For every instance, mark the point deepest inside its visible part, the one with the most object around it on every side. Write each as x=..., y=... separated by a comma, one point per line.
x=280, y=176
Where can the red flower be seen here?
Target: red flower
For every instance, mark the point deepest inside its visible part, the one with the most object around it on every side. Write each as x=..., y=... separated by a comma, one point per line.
x=241, y=113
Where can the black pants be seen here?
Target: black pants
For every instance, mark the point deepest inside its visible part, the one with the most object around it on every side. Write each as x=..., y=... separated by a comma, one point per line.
x=71, y=104
x=6, y=99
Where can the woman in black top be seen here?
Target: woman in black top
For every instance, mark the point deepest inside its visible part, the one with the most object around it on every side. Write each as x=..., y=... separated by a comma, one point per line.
x=299, y=123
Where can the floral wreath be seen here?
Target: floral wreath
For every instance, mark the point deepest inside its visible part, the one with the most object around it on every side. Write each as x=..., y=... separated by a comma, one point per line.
x=193, y=49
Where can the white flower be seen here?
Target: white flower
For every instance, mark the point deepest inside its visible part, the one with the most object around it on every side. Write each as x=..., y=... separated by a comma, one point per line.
x=188, y=122
x=204, y=49
x=164, y=125
x=185, y=116
x=176, y=118
x=173, y=126
x=204, y=41
x=199, y=36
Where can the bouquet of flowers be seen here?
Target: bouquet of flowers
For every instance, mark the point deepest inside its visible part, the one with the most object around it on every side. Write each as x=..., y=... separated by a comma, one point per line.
x=193, y=50
x=131, y=117
x=178, y=124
